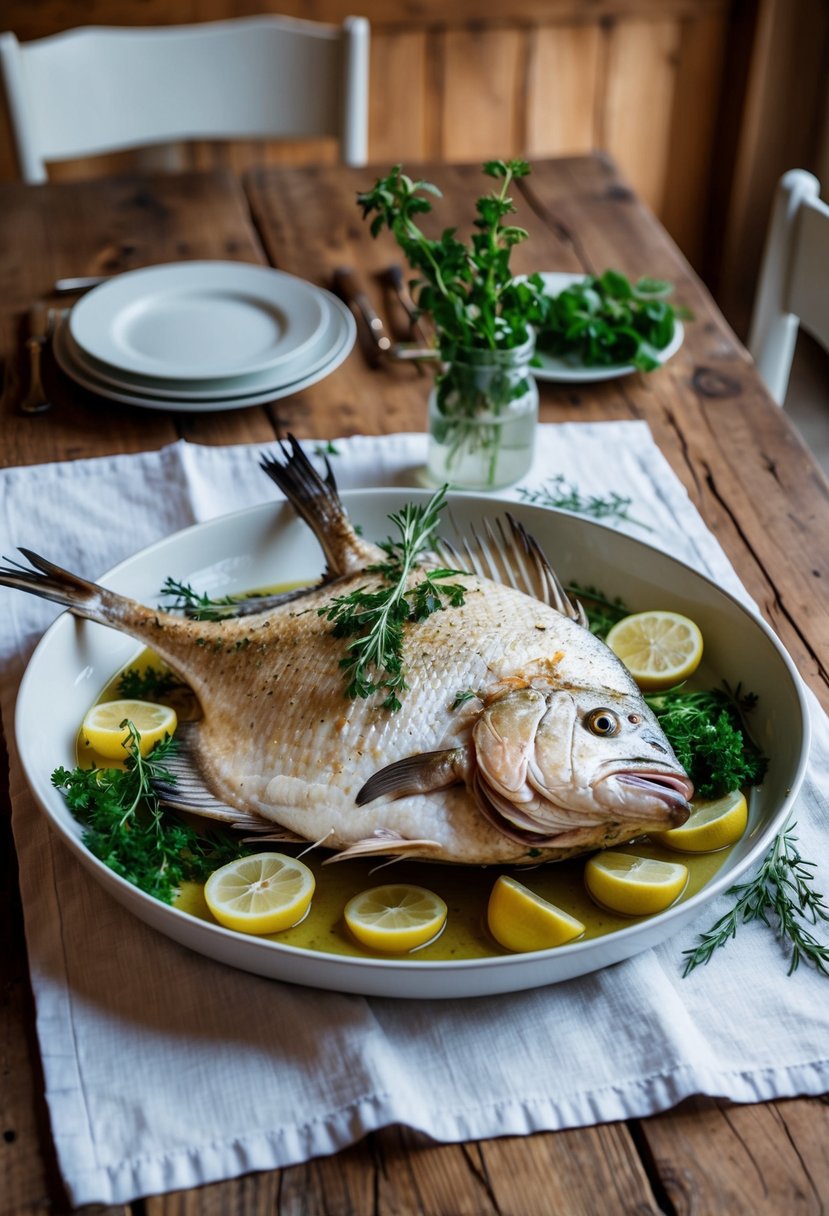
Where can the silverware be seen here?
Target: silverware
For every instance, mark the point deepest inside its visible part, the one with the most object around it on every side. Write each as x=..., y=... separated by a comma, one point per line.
x=392, y=277
x=41, y=321
x=349, y=288
x=63, y=287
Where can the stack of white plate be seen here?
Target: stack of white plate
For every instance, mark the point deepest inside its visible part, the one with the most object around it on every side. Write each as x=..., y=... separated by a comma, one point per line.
x=203, y=336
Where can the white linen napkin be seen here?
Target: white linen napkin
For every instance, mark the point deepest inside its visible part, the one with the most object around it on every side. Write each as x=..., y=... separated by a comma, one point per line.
x=166, y=1070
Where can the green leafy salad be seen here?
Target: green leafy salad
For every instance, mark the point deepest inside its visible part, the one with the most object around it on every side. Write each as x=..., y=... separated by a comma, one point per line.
x=607, y=321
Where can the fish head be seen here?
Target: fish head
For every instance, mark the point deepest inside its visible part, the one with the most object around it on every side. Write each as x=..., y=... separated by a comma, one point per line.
x=576, y=766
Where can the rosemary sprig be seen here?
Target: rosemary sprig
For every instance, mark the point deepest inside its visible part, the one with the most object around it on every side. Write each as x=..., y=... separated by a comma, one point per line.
x=782, y=889
x=125, y=826
x=562, y=494
x=375, y=618
x=200, y=607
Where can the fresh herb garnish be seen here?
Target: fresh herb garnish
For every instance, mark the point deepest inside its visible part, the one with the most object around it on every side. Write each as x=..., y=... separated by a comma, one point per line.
x=125, y=826
x=607, y=320
x=562, y=494
x=326, y=449
x=781, y=889
x=602, y=613
x=476, y=305
x=148, y=683
x=375, y=618
x=461, y=698
x=705, y=729
x=469, y=291
x=200, y=607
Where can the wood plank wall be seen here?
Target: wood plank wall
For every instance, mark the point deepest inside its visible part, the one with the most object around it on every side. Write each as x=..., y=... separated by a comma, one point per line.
x=662, y=85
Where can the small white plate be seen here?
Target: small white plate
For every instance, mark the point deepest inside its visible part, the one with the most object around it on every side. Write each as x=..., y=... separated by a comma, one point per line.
x=198, y=320
x=264, y=545
x=343, y=336
x=570, y=371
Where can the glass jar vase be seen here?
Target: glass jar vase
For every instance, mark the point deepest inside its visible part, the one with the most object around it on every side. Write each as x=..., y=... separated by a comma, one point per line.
x=483, y=411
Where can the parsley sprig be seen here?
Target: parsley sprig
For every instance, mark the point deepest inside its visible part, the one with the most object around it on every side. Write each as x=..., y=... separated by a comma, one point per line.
x=468, y=289
x=705, y=729
x=147, y=683
x=126, y=827
x=375, y=619
x=782, y=896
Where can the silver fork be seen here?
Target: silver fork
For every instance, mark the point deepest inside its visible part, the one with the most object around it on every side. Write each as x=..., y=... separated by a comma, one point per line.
x=41, y=324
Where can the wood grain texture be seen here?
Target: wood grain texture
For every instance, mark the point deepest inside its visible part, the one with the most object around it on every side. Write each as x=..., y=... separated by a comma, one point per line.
x=563, y=88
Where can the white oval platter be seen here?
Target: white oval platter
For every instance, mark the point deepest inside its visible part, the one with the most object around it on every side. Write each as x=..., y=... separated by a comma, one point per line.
x=267, y=545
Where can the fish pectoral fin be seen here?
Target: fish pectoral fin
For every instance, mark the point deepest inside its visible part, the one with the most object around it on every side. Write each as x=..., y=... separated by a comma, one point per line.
x=383, y=843
x=419, y=774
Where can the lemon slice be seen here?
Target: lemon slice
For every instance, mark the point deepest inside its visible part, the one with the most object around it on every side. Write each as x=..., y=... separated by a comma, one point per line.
x=520, y=920
x=659, y=649
x=103, y=732
x=395, y=918
x=634, y=886
x=713, y=824
x=261, y=893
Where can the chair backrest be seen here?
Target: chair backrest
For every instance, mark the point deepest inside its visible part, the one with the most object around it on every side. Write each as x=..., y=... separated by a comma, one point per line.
x=97, y=89
x=793, y=287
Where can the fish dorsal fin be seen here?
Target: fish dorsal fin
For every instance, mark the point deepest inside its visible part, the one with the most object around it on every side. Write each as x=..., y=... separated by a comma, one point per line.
x=188, y=792
x=507, y=553
x=317, y=501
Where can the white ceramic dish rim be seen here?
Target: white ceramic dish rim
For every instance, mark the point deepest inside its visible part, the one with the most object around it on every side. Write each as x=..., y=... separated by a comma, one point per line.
x=559, y=371
x=341, y=352
x=389, y=977
x=95, y=317
x=326, y=345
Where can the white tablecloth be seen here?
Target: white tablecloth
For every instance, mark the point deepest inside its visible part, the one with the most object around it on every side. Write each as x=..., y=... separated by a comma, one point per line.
x=165, y=1070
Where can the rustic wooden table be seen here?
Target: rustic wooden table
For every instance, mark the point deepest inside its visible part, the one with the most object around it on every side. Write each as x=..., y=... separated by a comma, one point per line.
x=745, y=469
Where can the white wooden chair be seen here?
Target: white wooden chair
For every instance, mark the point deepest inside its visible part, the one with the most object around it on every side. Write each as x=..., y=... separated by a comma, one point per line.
x=97, y=89
x=793, y=287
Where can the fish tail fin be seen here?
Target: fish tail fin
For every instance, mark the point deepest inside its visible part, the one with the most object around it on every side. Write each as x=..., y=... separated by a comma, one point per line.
x=316, y=500
x=52, y=582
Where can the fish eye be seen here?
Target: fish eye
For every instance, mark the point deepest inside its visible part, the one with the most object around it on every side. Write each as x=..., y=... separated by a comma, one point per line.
x=603, y=722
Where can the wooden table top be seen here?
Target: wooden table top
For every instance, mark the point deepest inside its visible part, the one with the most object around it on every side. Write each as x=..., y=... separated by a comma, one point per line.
x=745, y=469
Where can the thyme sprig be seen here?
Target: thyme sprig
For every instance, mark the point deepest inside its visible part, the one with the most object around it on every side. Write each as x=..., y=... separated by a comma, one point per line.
x=126, y=827
x=783, y=897
x=375, y=618
x=561, y=494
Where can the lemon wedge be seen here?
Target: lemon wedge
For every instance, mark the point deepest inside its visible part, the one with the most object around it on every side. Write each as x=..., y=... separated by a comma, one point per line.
x=261, y=893
x=520, y=920
x=634, y=886
x=658, y=648
x=396, y=918
x=712, y=825
x=103, y=732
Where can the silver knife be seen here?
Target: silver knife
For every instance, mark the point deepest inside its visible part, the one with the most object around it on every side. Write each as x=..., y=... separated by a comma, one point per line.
x=348, y=286
x=70, y=286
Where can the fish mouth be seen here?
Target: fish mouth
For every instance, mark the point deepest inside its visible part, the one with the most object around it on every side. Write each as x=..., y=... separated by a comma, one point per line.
x=674, y=789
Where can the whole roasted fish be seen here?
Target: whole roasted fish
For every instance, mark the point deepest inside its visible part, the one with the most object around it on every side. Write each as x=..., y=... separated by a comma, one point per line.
x=554, y=753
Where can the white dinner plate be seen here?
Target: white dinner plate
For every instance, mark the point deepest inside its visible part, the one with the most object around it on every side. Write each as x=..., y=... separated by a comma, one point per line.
x=571, y=371
x=318, y=354
x=267, y=545
x=343, y=331
x=198, y=320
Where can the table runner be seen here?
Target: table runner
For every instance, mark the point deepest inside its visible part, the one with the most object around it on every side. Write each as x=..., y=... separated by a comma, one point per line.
x=165, y=1070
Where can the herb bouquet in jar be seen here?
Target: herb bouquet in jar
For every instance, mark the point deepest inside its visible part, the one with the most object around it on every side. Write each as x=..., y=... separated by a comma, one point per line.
x=483, y=408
